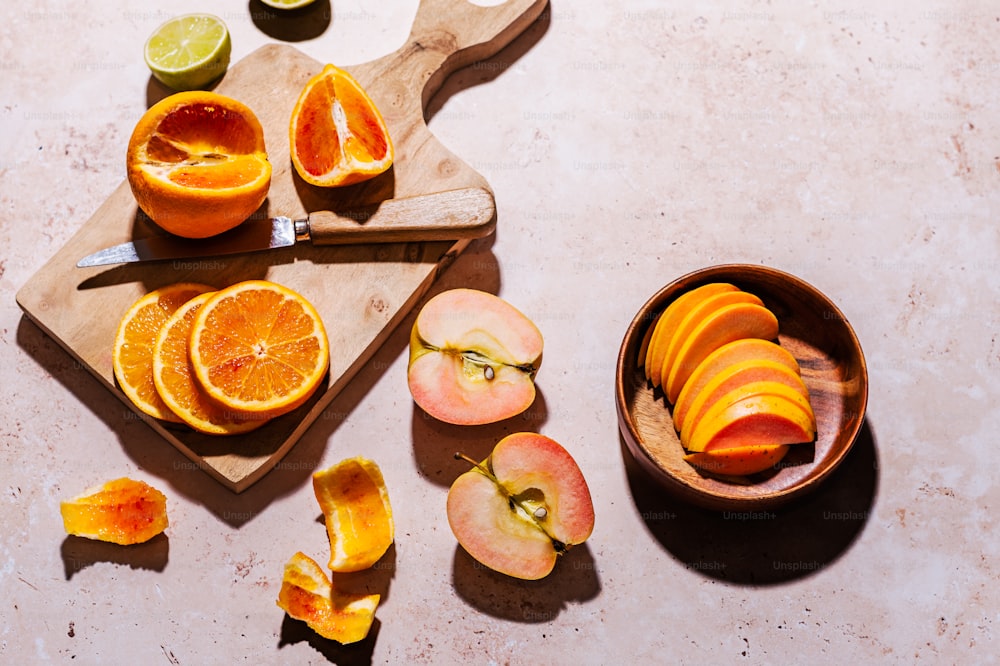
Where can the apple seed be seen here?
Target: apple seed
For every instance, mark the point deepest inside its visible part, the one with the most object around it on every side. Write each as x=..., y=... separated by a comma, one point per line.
x=488, y=371
x=515, y=504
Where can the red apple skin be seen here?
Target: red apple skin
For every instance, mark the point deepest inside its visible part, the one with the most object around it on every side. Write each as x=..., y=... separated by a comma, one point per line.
x=455, y=336
x=539, y=472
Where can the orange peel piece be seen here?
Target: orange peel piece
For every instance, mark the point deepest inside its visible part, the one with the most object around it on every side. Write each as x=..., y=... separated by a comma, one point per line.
x=355, y=504
x=123, y=511
x=307, y=594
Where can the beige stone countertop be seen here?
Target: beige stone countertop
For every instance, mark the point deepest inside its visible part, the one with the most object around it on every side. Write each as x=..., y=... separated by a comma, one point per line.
x=853, y=144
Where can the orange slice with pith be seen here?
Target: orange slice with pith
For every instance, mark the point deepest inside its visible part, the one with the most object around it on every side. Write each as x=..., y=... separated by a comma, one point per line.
x=132, y=357
x=337, y=134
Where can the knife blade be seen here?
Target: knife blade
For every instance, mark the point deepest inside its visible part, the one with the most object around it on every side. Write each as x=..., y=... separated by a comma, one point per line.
x=450, y=215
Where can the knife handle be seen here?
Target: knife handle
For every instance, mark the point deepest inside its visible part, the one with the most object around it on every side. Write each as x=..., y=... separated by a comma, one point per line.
x=450, y=215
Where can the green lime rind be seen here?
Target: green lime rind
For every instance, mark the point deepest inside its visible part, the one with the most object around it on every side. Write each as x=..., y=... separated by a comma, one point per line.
x=189, y=52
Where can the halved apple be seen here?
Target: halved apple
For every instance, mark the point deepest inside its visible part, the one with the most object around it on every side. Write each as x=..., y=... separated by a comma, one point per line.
x=522, y=507
x=763, y=419
x=473, y=358
x=728, y=323
x=666, y=326
x=738, y=461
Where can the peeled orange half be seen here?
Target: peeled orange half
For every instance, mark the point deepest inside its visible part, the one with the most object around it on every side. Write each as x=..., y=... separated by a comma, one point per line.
x=197, y=164
x=337, y=135
x=258, y=348
x=132, y=357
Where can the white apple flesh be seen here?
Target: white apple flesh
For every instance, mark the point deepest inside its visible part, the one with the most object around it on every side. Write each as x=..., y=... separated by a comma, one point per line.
x=523, y=507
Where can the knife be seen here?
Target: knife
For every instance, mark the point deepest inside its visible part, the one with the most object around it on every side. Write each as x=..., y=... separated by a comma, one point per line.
x=449, y=215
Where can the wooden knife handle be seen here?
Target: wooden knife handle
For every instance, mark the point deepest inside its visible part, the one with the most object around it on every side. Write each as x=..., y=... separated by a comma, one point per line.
x=449, y=215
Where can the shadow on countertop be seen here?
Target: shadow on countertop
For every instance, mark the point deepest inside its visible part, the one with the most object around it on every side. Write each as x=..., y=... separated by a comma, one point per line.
x=765, y=547
x=575, y=579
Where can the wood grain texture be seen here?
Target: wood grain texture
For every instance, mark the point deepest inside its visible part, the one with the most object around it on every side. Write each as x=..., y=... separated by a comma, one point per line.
x=833, y=368
x=361, y=291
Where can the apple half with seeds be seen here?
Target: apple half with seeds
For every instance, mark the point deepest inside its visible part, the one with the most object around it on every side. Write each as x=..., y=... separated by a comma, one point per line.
x=522, y=507
x=473, y=358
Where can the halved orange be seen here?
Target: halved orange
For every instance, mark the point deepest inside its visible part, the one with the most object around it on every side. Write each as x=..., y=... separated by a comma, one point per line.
x=306, y=594
x=337, y=135
x=122, y=511
x=355, y=504
x=132, y=357
x=174, y=378
x=197, y=164
x=259, y=348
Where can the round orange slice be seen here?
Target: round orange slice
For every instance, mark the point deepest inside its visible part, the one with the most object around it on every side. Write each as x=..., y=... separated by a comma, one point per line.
x=259, y=348
x=132, y=357
x=197, y=164
x=337, y=135
x=174, y=379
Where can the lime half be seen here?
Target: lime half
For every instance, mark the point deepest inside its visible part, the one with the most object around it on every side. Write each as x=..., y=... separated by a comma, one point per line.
x=188, y=52
x=287, y=4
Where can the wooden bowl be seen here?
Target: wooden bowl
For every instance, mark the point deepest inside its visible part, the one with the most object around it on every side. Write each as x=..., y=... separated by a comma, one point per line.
x=833, y=368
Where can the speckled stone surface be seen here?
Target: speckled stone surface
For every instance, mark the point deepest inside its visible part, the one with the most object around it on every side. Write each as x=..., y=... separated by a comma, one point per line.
x=853, y=144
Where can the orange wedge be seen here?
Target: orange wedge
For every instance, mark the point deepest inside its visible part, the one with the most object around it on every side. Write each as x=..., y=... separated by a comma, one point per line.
x=132, y=357
x=174, y=378
x=355, y=504
x=259, y=349
x=306, y=594
x=197, y=164
x=337, y=135
x=122, y=511
x=668, y=322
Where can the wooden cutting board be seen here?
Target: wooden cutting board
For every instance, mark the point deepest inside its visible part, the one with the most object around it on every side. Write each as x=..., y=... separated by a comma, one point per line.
x=361, y=291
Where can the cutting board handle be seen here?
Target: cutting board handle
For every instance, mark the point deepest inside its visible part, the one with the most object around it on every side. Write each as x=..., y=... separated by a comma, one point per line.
x=450, y=34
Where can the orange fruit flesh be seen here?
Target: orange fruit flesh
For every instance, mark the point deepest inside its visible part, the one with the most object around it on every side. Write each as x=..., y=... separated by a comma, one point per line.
x=355, y=505
x=307, y=594
x=725, y=357
x=666, y=325
x=197, y=163
x=338, y=137
x=739, y=461
x=132, y=356
x=175, y=381
x=122, y=511
x=259, y=349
